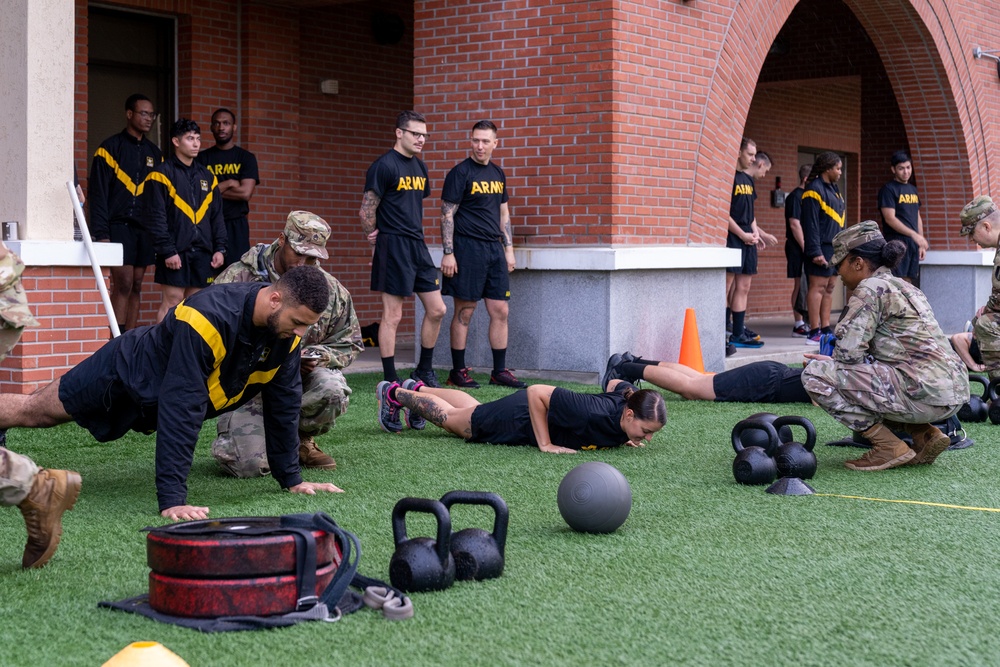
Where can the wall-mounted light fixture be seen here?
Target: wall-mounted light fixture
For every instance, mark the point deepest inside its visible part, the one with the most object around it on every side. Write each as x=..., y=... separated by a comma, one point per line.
x=329, y=87
x=978, y=52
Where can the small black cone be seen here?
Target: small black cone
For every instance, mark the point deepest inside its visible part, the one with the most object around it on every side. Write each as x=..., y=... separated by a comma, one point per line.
x=790, y=486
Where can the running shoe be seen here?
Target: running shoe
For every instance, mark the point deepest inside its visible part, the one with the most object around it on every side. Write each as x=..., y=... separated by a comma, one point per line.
x=750, y=333
x=745, y=341
x=459, y=377
x=802, y=331
x=388, y=409
x=428, y=377
x=730, y=349
x=505, y=378
x=814, y=337
x=413, y=420
x=611, y=371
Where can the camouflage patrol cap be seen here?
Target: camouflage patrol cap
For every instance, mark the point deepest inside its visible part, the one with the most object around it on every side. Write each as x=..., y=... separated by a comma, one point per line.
x=852, y=237
x=974, y=211
x=307, y=233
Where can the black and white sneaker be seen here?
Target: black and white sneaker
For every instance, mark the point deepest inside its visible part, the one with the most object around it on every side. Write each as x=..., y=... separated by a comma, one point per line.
x=611, y=370
x=428, y=377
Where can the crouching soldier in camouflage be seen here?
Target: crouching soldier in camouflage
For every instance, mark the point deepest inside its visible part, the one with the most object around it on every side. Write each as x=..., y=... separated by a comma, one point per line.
x=328, y=346
x=892, y=368
x=42, y=495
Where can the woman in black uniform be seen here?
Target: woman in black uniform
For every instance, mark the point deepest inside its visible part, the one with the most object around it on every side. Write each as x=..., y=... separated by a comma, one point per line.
x=555, y=420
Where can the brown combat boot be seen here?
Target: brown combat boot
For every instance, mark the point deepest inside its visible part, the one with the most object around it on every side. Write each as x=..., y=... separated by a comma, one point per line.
x=311, y=456
x=887, y=451
x=928, y=442
x=53, y=492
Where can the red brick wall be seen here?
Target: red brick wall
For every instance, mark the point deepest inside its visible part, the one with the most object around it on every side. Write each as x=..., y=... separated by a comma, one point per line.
x=620, y=120
x=72, y=325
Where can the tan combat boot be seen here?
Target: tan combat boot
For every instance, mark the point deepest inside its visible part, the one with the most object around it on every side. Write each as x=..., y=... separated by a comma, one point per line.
x=887, y=451
x=53, y=492
x=928, y=442
x=311, y=456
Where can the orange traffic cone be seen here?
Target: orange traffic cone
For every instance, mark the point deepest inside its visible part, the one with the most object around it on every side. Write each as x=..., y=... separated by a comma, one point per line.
x=690, y=344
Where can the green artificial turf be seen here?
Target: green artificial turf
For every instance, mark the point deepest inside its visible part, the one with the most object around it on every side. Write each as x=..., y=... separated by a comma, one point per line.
x=704, y=572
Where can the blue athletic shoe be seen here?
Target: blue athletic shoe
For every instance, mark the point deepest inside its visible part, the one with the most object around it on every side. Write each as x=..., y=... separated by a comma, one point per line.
x=413, y=420
x=745, y=341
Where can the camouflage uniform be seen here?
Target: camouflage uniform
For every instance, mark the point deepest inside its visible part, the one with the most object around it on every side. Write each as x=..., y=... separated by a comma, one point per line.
x=17, y=472
x=892, y=360
x=986, y=327
x=336, y=337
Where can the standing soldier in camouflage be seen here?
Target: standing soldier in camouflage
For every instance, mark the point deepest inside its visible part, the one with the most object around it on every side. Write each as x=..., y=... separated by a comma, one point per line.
x=42, y=495
x=892, y=368
x=981, y=223
x=327, y=347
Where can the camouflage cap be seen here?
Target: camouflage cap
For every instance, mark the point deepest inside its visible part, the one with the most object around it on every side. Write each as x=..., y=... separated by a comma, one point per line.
x=974, y=211
x=307, y=233
x=852, y=237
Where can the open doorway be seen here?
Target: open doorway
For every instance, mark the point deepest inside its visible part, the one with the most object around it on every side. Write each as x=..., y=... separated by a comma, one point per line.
x=129, y=52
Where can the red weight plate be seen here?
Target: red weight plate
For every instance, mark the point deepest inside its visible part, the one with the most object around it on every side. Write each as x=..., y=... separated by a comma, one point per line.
x=210, y=598
x=228, y=553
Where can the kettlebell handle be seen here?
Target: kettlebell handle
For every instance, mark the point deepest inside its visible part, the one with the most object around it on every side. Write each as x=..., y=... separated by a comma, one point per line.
x=992, y=390
x=795, y=420
x=500, y=513
x=987, y=385
x=428, y=506
x=746, y=424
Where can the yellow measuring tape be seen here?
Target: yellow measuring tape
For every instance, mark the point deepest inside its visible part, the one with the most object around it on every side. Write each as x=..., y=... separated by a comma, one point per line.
x=912, y=502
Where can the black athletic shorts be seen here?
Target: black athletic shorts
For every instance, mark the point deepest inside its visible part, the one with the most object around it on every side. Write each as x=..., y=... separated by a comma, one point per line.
x=748, y=263
x=909, y=265
x=813, y=269
x=94, y=396
x=196, y=270
x=237, y=240
x=760, y=382
x=137, y=246
x=793, y=258
x=503, y=422
x=482, y=271
x=402, y=265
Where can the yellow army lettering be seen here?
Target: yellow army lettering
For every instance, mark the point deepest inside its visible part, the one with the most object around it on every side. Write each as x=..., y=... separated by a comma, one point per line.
x=220, y=169
x=742, y=189
x=487, y=188
x=411, y=183
x=908, y=199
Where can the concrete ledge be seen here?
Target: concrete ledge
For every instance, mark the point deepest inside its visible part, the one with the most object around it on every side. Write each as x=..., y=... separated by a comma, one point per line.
x=65, y=253
x=618, y=258
x=959, y=258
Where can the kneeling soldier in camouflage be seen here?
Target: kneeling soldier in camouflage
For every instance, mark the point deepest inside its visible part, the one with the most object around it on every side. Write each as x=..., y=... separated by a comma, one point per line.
x=328, y=346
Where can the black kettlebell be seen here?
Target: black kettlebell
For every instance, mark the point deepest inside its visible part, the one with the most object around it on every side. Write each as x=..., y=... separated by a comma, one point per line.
x=994, y=409
x=478, y=554
x=421, y=564
x=796, y=459
x=977, y=409
x=758, y=438
x=754, y=464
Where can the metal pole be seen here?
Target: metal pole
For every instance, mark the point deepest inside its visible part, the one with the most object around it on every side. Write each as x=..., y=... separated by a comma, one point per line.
x=101, y=287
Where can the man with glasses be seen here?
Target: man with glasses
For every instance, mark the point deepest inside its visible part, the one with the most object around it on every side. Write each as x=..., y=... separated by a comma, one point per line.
x=236, y=170
x=117, y=173
x=392, y=216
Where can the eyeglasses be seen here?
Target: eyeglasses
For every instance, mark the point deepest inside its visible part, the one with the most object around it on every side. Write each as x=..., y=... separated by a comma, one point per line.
x=148, y=115
x=417, y=135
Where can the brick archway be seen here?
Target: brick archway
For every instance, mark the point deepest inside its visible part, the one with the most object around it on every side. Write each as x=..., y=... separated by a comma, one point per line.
x=927, y=60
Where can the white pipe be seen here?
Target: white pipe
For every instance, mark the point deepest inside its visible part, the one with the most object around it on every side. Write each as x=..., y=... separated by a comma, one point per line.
x=98, y=275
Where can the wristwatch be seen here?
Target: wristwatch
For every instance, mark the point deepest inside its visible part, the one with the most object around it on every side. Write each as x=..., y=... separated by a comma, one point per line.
x=449, y=252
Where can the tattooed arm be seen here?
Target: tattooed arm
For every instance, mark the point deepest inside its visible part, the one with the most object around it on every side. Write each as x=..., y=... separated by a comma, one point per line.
x=508, y=236
x=367, y=213
x=449, y=267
